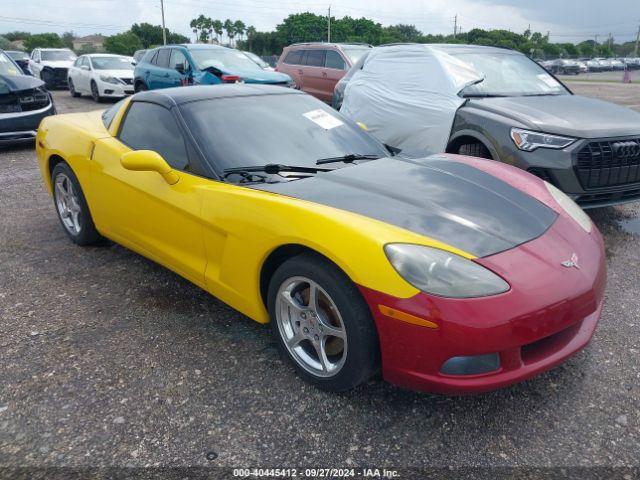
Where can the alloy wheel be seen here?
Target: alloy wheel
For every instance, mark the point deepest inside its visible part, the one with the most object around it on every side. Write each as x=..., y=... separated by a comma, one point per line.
x=94, y=92
x=68, y=204
x=311, y=327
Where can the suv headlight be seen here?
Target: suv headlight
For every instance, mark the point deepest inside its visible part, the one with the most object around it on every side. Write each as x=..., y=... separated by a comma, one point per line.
x=107, y=79
x=437, y=272
x=570, y=207
x=528, y=141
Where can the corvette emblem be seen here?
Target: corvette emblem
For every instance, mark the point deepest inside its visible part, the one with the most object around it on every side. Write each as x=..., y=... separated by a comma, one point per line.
x=572, y=262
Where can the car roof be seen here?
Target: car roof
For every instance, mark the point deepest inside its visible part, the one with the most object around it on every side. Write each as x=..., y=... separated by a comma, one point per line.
x=458, y=48
x=168, y=97
x=54, y=49
x=329, y=44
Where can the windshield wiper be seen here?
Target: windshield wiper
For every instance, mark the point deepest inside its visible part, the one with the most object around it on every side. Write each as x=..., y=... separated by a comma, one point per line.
x=349, y=158
x=482, y=95
x=272, y=169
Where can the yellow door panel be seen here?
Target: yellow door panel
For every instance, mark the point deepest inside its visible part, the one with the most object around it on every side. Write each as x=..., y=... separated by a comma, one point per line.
x=163, y=221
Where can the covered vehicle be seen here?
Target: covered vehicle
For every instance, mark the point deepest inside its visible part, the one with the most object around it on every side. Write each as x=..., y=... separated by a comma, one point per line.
x=51, y=65
x=516, y=112
x=101, y=75
x=24, y=102
x=448, y=273
x=200, y=64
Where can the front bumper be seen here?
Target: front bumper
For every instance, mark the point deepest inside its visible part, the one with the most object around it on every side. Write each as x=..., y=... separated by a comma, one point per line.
x=22, y=126
x=114, y=90
x=559, y=167
x=549, y=314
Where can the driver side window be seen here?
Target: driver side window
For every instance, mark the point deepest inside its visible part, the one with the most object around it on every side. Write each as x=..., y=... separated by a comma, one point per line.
x=148, y=126
x=178, y=58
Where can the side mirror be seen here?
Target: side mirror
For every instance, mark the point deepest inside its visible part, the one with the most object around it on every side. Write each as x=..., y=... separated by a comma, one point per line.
x=84, y=67
x=149, y=161
x=134, y=63
x=180, y=67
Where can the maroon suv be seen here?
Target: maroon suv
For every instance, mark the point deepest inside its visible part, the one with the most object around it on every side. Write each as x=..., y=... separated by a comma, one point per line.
x=317, y=67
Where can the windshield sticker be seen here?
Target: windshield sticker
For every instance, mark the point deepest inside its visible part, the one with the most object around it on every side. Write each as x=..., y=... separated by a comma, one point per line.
x=323, y=119
x=548, y=79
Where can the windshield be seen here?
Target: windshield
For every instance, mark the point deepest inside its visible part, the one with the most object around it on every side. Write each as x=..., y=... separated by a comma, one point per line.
x=509, y=75
x=290, y=129
x=58, y=55
x=7, y=67
x=257, y=59
x=354, y=53
x=222, y=59
x=18, y=55
x=111, y=63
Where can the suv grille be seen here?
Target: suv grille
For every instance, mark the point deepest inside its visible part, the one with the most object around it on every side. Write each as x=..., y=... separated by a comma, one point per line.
x=609, y=163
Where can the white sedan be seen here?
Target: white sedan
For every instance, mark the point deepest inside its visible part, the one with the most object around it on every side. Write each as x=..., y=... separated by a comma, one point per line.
x=101, y=75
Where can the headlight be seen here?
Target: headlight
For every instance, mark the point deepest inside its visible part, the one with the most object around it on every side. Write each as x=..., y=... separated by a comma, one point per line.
x=528, y=141
x=435, y=271
x=109, y=79
x=570, y=207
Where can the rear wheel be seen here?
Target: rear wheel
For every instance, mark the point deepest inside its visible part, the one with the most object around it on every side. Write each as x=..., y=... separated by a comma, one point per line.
x=322, y=324
x=95, y=93
x=72, y=89
x=474, y=150
x=71, y=206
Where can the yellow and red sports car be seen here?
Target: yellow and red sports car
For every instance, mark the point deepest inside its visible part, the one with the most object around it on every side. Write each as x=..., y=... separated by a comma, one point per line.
x=447, y=273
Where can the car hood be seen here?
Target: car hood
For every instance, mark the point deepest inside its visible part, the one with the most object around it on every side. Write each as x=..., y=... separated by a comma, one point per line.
x=16, y=83
x=571, y=115
x=116, y=73
x=259, y=76
x=58, y=63
x=437, y=197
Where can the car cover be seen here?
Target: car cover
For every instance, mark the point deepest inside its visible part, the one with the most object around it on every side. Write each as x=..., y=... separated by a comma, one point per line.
x=407, y=95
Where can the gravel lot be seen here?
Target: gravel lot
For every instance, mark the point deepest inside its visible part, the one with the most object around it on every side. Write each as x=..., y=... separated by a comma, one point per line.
x=110, y=360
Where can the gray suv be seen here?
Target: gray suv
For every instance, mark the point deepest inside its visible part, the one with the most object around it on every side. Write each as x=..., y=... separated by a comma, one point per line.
x=588, y=148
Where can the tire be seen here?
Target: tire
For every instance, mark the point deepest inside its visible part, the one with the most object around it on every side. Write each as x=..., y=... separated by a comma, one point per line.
x=95, y=93
x=71, y=206
x=72, y=89
x=340, y=325
x=474, y=150
x=140, y=87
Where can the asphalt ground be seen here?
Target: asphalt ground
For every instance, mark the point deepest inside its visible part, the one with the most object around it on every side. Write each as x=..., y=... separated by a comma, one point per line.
x=109, y=360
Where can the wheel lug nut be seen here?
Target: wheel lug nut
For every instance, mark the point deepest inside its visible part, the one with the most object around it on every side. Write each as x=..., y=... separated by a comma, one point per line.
x=316, y=337
x=305, y=330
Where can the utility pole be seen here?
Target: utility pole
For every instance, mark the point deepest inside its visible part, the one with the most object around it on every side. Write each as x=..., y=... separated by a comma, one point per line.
x=164, y=31
x=610, y=42
x=455, y=25
x=329, y=25
x=635, y=51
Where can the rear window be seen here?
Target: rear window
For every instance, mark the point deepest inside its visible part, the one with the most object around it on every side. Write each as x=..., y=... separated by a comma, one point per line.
x=294, y=58
x=162, y=60
x=334, y=60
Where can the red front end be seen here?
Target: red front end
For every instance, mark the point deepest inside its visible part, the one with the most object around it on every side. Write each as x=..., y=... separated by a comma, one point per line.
x=550, y=312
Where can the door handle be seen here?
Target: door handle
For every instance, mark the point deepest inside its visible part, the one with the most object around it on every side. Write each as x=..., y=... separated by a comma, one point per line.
x=299, y=72
x=324, y=74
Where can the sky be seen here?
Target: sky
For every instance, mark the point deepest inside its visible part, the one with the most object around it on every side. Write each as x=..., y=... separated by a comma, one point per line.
x=566, y=20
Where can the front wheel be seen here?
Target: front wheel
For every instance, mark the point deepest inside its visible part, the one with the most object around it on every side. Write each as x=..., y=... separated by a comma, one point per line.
x=72, y=89
x=322, y=324
x=474, y=150
x=71, y=206
x=95, y=93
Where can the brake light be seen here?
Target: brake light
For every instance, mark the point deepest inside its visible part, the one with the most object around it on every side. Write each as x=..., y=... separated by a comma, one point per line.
x=230, y=78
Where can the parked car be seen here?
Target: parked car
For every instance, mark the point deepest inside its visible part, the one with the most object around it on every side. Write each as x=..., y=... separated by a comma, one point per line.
x=199, y=64
x=317, y=67
x=101, y=75
x=617, y=64
x=24, y=102
x=51, y=65
x=594, y=66
x=563, y=66
x=582, y=66
x=512, y=111
x=259, y=61
x=21, y=59
x=138, y=54
x=448, y=273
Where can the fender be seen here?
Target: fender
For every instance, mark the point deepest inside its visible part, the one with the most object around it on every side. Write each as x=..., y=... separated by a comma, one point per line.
x=476, y=135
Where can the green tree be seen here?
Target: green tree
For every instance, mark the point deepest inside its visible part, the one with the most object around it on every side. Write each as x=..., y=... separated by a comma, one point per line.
x=67, y=39
x=239, y=28
x=229, y=28
x=251, y=32
x=218, y=28
x=5, y=43
x=43, y=40
x=125, y=43
x=16, y=35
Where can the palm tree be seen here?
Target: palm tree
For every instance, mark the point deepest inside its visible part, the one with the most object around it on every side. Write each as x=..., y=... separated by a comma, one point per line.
x=239, y=28
x=218, y=28
x=251, y=31
x=229, y=27
x=194, y=25
x=207, y=28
